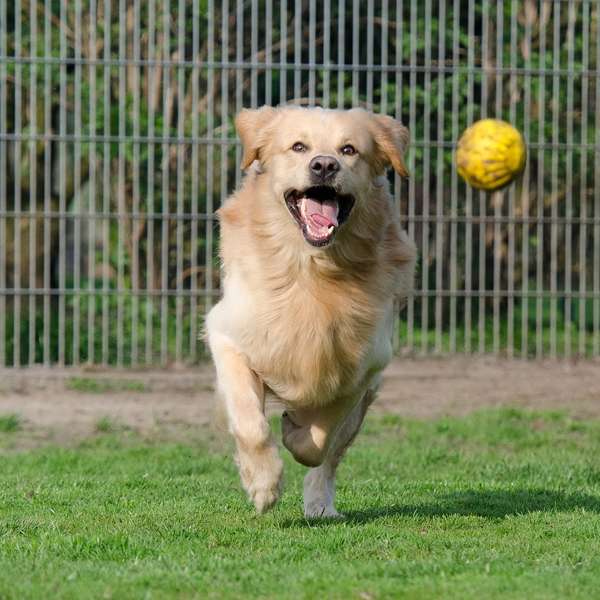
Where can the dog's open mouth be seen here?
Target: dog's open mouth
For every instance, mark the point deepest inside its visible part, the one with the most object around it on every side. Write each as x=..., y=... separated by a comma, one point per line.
x=319, y=211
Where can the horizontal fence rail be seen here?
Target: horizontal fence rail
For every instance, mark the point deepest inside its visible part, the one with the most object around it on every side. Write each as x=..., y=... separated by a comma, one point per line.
x=117, y=146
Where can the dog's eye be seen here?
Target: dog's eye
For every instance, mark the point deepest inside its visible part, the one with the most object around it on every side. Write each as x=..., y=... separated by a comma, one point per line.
x=299, y=147
x=349, y=150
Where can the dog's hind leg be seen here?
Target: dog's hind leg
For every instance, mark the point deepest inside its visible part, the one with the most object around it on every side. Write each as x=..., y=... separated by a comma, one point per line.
x=242, y=393
x=319, y=483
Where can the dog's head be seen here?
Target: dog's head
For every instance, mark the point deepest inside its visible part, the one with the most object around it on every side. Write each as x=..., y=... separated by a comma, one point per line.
x=321, y=163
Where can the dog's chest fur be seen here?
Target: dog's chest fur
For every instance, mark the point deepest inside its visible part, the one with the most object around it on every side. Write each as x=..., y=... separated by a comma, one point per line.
x=306, y=336
x=311, y=350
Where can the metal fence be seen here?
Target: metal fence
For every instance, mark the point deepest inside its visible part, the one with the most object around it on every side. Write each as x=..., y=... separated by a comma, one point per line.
x=117, y=145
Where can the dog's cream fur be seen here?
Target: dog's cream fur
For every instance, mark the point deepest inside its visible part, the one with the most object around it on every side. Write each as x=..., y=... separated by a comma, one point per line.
x=310, y=325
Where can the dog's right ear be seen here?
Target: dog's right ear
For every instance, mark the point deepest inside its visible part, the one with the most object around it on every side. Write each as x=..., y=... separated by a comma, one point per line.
x=254, y=127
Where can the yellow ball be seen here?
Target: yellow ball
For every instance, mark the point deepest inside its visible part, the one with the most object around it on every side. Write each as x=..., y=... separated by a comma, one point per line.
x=490, y=154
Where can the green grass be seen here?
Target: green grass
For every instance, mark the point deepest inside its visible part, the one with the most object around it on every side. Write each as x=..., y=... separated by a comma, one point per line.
x=10, y=422
x=499, y=505
x=99, y=386
x=105, y=424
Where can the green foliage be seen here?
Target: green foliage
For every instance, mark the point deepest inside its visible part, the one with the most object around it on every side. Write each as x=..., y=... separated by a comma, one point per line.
x=10, y=422
x=100, y=386
x=105, y=424
x=539, y=326
x=114, y=330
x=502, y=504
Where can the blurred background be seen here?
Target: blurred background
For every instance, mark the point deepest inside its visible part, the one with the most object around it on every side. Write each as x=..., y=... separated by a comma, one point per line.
x=117, y=145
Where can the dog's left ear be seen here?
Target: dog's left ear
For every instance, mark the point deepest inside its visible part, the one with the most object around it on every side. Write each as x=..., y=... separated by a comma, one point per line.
x=392, y=139
x=254, y=127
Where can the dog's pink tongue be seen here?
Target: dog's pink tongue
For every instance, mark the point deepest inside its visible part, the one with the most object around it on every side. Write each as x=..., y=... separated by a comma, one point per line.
x=322, y=213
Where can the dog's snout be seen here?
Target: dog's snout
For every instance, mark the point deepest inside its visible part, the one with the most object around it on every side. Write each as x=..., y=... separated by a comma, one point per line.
x=324, y=167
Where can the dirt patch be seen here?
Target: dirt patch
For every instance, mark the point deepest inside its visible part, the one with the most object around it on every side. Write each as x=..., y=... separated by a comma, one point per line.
x=457, y=386
x=69, y=402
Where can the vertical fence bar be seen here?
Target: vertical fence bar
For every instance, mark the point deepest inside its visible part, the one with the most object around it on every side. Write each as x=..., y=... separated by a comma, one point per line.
x=210, y=153
x=569, y=181
x=470, y=192
x=510, y=334
x=91, y=249
x=355, y=50
x=554, y=181
x=583, y=184
x=136, y=222
x=596, y=253
x=77, y=181
x=194, y=192
x=151, y=97
x=385, y=32
x=253, y=52
x=483, y=198
x=47, y=176
x=18, y=128
x=326, y=52
x=312, y=51
x=225, y=74
x=283, y=42
x=239, y=78
x=62, y=181
x=539, y=308
x=341, y=52
x=385, y=27
x=297, y=51
x=440, y=225
x=370, y=27
x=106, y=193
x=165, y=173
x=525, y=200
x=179, y=241
x=568, y=231
x=497, y=198
x=120, y=184
x=426, y=179
x=269, y=53
x=33, y=190
x=413, y=128
x=454, y=194
x=399, y=107
x=4, y=191
x=469, y=205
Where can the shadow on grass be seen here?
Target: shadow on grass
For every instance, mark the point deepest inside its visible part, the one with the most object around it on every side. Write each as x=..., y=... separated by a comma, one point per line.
x=488, y=505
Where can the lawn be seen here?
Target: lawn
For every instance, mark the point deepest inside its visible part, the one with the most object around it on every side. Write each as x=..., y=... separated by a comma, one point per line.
x=500, y=504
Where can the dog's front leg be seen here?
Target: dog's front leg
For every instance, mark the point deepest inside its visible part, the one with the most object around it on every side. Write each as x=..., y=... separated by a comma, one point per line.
x=319, y=483
x=308, y=432
x=242, y=393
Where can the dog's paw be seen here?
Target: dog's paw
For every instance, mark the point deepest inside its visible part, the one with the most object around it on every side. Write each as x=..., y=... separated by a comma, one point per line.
x=264, y=500
x=318, y=494
x=263, y=480
x=318, y=510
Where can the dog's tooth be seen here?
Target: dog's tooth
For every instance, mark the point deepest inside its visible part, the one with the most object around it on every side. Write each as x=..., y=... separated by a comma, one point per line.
x=337, y=209
x=330, y=230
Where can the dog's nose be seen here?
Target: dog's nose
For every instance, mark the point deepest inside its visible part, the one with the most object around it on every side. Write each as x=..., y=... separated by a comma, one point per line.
x=324, y=167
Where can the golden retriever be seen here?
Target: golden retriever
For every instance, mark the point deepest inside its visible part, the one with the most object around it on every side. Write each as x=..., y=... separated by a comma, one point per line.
x=315, y=263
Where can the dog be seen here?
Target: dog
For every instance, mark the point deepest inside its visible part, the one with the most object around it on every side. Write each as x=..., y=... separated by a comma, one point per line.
x=315, y=264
